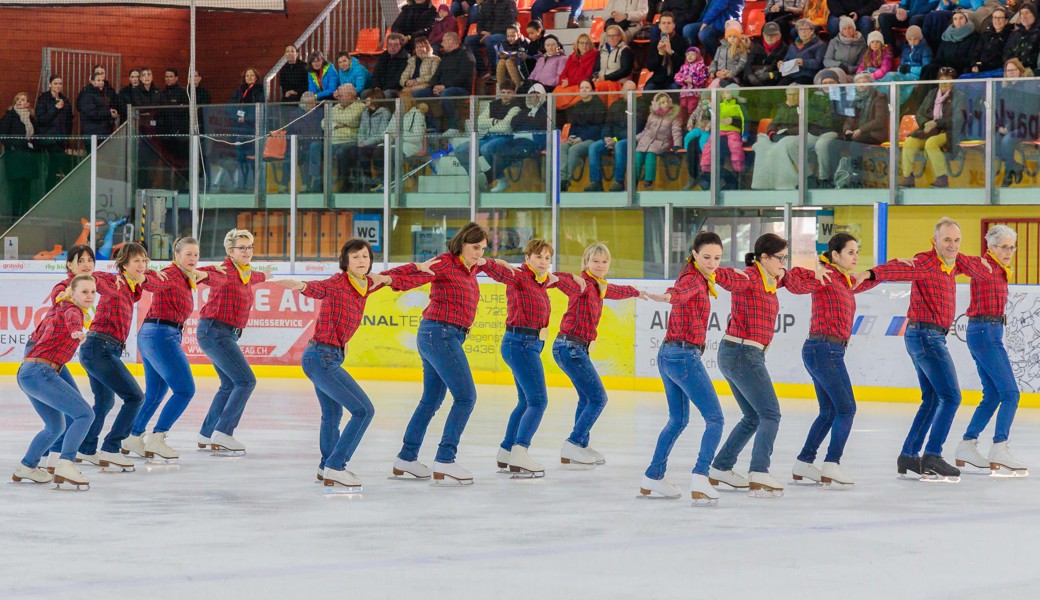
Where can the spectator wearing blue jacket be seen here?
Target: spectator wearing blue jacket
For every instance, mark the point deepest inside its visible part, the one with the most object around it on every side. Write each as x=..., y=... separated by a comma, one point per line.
x=349, y=70
x=807, y=52
x=909, y=12
x=322, y=78
x=712, y=25
x=916, y=56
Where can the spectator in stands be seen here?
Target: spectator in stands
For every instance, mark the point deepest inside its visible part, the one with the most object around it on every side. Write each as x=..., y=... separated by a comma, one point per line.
x=785, y=12
x=684, y=14
x=494, y=128
x=732, y=124
x=374, y=120
x=860, y=11
x=868, y=127
x=938, y=20
x=97, y=111
x=202, y=95
x=909, y=13
x=586, y=118
x=512, y=57
x=174, y=117
x=616, y=61
x=243, y=122
x=147, y=93
x=732, y=55
x=453, y=77
x=626, y=14
x=412, y=135
x=667, y=56
x=582, y=64
x=466, y=8
x=698, y=130
x=776, y=150
x=541, y=7
x=126, y=93
x=955, y=51
x=987, y=59
x=17, y=128
x=548, y=68
x=322, y=77
x=662, y=133
x=444, y=23
x=846, y=49
x=1017, y=106
x=1024, y=41
x=939, y=119
x=415, y=20
x=612, y=138
x=292, y=77
x=842, y=106
x=307, y=127
x=535, y=43
x=390, y=66
x=916, y=56
x=54, y=125
x=419, y=69
x=713, y=21
x=692, y=77
x=877, y=60
x=529, y=136
x=350, y=70
x=807, y=51
x=346, y=121
x=765, y=56
x=492, y=20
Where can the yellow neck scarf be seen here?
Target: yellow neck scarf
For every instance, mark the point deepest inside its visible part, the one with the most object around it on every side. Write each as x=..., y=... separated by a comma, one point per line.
x=130, y=281
x=88, y=313
x=710, y=279
x=827, y=261
x=360, y=285
x=768, y=281
x=538, y=278
x=244, y=273
x=187, y=275
x=1008, y=270
x=945, y=266
x=602, y=283
x=463, y=261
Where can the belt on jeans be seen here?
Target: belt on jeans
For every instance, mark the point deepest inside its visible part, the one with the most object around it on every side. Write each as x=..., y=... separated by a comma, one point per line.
x=104, y=337
x=574, y=340
x=324, y=345
x=464, y=330
x=829, y=338
x=236, y=331
x=983, y=319
x=682, y=344
x=174, y=324
x=44, y=361
x=744, y=342
x=932, y=326
x=532, y=331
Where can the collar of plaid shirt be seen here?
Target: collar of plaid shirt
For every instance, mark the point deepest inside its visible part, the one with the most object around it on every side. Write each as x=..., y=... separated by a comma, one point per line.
x=768, y=281
x=602, y=283
x=947, y=267
x=187, y=274
x=88, y=316
x=244, y=271
x=130, y=281
x=827, y=261
x=359, y=285
x=539, y=279
x=1008, y=269
x=709, y=277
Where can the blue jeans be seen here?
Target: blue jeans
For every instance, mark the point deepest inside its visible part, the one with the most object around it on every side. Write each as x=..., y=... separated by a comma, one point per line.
x=490, y=43
x=709, y=37
x=488, y=147
x=744, y=367
x=523, y=354
x=543, y=6
x=445, y=368
x=66, y=376
x=886, y=21
x=864, y=24
x=53, y=398
x=451, y=111
x=103, y=362
x=575, y=362
x=237, y=382
x=825, y=362
x=940, y=393
x=165, y=368
x=686, y=380
x=596, y=152
x=471, y=17
x=999, y=388
x=336, y=390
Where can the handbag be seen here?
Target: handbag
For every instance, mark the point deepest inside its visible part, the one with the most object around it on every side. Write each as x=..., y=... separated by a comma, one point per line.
x=275, y=145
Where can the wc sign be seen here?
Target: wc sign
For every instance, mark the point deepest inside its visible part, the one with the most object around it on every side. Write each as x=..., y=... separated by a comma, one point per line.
x=369, y=228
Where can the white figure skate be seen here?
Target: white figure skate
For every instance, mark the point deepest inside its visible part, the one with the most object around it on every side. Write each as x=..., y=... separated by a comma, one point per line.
x=37, y=475
x=701, y=491
x=52, y=461
x=600, y=459
x=341, y=482
x=203, y=442
x=502, y=460
x=1002, y=464
x=155, y=447
x=521, y=465
x=762, y=485
x=832, y=476
x=576, y=457
x=450, y=475
x=803, y=471
x=87, y=458
x=969, y=459
x=410, y=470
x=66, y=472
x=731, y=479
x=659, y=488
x=223, y=444
x=133, y=443
x=114, y=462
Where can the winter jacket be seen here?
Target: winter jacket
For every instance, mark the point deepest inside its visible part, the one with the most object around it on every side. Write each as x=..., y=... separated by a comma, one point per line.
x=957, y=54
x=685, y=11
x=723, y=61
x=871, y=118
x=586, y=118
x=495, y=15
x=615, y=63
x=881, y=66
x=293, y=77
x=175, y=120
x=93, y=106
x=126, y=98
x=356, y=75
x=245, y=99
x=811, y=54
x=415, y=20
x=441, y=27
x=413, y=131
x=717, y=12
x=141, y=97
x=862, y=8
x=12, y=132
x=497, y=116
x=918, y=7
x=323, y=84
x=845, y=55
x=615, y=123
x=1018, y=104
x=346, y=120
x=373, y=126
x=579, y=67
x=915, y=58
x=761, y=68
x=456, y=69
x=952, y=114
x=1023, y=44
x=664, y=68
x=785, y=121
x=427, y=67
x=51, y=121
x=988, y=53
x=692, y=76
x=548, y=69
x=731, y=108
x=661, y=133
x=387, y=74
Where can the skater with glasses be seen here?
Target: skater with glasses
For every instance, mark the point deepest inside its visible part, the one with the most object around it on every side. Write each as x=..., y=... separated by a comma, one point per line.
x=454, y=294
x=159, y=342
x=221, y=322
x=574, y=344
x=986, y=322
x=41, y=378
x=933, y=305
x=343, y=297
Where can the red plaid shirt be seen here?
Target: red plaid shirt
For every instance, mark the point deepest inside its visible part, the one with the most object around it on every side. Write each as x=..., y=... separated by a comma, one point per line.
x=341, y=308
x=989, y=289
x=833, y=303
x=527, y=301
x=230, y=301
x=691, y=307
x=173, y=299
x=54, y=341
x=454, y=291
x=60, y=288
x=115, y=310
x=753, y=310
x=585, y=308
x=933, y=294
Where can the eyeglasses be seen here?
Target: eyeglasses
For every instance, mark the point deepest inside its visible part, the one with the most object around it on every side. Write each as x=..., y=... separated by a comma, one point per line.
x=243, y=248
x=780, y=257
x=1007, y=248
x=947, y=71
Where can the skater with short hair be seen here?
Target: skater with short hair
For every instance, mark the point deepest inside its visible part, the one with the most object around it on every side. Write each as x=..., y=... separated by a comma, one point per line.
x=221, y=322
x=53, y=398
x=986, y=321
x=159, y=342
x=343, y=297
x=574, y=342
x=454, y=294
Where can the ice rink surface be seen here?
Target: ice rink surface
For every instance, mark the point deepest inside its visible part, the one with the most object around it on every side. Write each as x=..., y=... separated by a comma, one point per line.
x=259, y=527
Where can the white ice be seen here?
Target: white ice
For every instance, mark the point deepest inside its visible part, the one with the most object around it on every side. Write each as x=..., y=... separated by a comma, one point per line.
x=259, y=526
